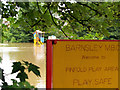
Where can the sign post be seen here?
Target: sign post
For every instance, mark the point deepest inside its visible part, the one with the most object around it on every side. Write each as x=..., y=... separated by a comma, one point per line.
x=82, y=63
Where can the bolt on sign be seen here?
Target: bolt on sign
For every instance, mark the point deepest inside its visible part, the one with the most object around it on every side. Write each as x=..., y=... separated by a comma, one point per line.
x=82, y=64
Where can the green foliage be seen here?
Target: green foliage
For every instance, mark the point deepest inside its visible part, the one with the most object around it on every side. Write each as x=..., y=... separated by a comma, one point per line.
x=9, y=10
x=19, y=68
x=34, y=69
x=114, y=33
x=22, y=76
x=17, y=35
x=19, y=86
x=13, y=40
x=62, y=19
x=16, y=67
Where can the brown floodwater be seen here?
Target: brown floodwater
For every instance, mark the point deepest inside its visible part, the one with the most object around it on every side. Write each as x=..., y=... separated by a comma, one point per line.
x=28, y=52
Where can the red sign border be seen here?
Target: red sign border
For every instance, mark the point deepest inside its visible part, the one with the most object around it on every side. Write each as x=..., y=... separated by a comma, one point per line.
x=49, y=57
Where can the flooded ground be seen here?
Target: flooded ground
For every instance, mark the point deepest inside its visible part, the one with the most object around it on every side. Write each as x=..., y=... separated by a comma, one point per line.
x=24, y=51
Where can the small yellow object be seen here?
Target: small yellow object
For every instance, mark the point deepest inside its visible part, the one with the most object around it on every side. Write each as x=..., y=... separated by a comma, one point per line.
x=34, y=42
x=40, y=43
x=38, y=38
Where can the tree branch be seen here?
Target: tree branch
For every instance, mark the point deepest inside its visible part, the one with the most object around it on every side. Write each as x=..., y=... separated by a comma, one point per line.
x=90, y=8
x=72, y=27
x=55, y=22
x=40, y=13
x=31, y=26
x=39, y=8
x=79, y=21
x=76, y=18
x=27, y=21
x=70, y=23
x=36, y=23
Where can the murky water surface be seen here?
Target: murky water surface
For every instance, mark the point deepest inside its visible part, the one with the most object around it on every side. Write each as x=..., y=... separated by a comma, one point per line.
x=24, y=51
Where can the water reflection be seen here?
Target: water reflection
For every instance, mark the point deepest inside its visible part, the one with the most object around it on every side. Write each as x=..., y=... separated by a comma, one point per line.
x=24, y=51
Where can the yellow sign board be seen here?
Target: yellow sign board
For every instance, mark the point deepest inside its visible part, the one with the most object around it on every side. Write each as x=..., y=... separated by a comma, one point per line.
x=85, y=64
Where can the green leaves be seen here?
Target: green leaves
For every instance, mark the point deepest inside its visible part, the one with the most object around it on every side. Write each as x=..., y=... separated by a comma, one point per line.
x=22, y=76
x=20, y=68
x=26, y=63
x=19, y=86
x=9, y=10
x=96, y=15
x=16, y=67
x=34, y=69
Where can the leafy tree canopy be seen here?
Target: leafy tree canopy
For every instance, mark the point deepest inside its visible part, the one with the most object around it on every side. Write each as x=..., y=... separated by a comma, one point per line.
x=79, y=20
